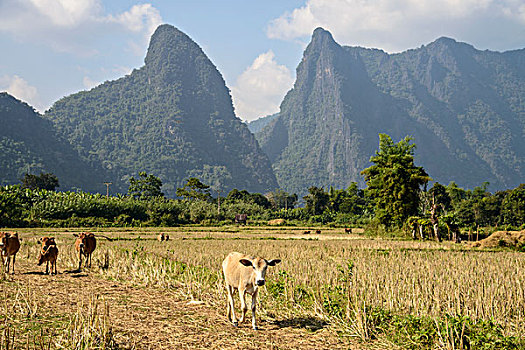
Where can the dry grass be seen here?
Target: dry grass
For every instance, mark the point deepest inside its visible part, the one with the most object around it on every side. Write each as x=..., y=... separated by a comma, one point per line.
x=334, y=279
x=513, y=239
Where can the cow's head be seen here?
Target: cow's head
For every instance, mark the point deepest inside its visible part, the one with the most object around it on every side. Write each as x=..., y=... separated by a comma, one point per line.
x=259, y=266
x=82, y=238
x=3, y=241
x=46, y=242
x=41, y=258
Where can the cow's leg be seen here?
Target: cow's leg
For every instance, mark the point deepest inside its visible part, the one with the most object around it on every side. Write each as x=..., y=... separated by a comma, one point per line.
x=254, y=306
x=232, y=305
x=14, y=258
x=54, y=264
x=228, y=306
x=47, y=267
x=244, y=308
x=7, y=263
x=80, y=260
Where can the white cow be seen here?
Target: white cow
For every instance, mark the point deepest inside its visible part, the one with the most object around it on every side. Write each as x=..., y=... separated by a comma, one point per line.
x=245, y=274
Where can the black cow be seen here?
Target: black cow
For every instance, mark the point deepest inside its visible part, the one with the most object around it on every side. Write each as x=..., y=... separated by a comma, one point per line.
x=241, y=218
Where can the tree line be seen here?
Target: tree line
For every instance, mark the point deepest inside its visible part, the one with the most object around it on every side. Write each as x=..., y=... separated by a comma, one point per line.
x=397, y=197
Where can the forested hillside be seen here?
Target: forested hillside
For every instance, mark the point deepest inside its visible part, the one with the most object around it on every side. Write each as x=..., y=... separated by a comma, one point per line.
x=465, y=109
x=257, y=125
x=173, y=118
x=28, y=143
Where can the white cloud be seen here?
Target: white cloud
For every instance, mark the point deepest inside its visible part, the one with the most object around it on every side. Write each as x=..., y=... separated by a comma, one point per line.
x=74, y=25
x=140, y=18
x=19, y=88
x=67, y=13
x=261, y=87
x=396, y=25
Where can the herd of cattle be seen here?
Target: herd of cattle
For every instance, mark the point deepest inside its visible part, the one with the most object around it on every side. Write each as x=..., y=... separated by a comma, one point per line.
x=242, y=273
x=85, y=244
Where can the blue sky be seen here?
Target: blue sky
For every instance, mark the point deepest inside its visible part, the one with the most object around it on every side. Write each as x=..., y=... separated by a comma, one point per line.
x=52, y=48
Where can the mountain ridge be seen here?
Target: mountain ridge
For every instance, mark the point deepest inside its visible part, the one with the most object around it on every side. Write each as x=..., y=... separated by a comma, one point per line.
x=446, y=94
x=29, y=145
x=172, y=117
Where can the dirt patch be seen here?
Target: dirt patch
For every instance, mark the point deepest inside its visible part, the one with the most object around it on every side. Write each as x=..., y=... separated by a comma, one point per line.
x=511, y=239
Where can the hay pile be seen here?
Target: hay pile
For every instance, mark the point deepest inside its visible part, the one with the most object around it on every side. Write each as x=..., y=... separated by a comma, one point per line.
x=277, y=222
x=501, y=239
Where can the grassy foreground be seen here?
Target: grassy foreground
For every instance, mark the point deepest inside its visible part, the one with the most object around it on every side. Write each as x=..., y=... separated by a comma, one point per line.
x=371, y=293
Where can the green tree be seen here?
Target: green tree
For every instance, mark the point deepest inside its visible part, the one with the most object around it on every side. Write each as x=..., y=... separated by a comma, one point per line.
x=464, y=213
x=10, y=206
x=145, y=187
x=235, y=195
x=441, y=196
x=488, y=210
x=194, y=189
x=394, y=181
x=244, y=196
x=456, y=194
x=280, y=199
x=349, y=201
x=513, y=206
x=43, y=181
x=317, y=200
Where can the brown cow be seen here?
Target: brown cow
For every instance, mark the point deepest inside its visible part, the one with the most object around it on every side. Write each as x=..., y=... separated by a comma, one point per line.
x=348, y=230
x=245, y=274
x=48, y=254
x=318, y=232
x=160, y=237
x=85, y=245
x=9, y=245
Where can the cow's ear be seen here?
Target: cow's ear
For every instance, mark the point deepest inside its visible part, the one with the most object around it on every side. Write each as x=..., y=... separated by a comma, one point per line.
x=274, y=262
x=246, y=262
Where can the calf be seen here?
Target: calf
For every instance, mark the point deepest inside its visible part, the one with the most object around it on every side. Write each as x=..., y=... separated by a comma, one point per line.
x=245, y=274
x=85, y=245
x=9, y=245
x=160, y=237
x=48, y=254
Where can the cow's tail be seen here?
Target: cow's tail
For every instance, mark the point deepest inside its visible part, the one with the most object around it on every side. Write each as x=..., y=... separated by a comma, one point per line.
x=106, y=237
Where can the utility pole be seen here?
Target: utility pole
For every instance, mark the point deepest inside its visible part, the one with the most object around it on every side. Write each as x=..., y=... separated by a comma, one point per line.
x=107, y=188
x=219, y=202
